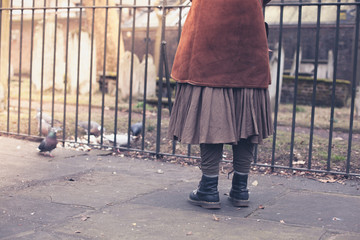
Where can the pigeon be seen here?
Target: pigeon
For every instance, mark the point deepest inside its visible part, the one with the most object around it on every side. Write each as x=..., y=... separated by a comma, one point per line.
x=49, y=143
x=136, y=129
x=46, y=122
x=121, y=139
x=47, y=118
x=95, y=128
x=45, y=127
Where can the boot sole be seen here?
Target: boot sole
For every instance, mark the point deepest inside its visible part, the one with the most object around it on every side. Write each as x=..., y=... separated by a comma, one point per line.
x=239, y=203
x=207, y=205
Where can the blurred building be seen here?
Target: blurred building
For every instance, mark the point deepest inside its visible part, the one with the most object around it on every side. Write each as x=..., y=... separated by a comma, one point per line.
x=176, y=18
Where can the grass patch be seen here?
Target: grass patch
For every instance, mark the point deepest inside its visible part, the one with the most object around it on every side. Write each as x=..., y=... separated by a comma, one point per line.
x=301, y=151
x=321, y=118
x=319, y=152
x=140, y=106
x=338, y=158
x=300, y=109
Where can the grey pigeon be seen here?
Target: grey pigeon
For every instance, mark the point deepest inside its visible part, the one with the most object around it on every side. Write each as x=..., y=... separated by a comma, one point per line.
x=47, y=118
x=44, y=116
x=136, y=129
x=45, y=127
x=49, y=143
x=95, y=128
x=46, y=121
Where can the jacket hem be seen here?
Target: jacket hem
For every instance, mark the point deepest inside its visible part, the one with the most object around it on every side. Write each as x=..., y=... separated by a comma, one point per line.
x=196, y=83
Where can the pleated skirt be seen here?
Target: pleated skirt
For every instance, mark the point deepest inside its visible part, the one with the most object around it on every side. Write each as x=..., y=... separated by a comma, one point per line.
x=220, y=115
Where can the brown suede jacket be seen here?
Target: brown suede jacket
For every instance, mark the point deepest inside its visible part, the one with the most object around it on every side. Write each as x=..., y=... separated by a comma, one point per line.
x=223, y=44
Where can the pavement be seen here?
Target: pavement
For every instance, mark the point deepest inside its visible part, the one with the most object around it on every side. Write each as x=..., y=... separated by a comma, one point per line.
x=93, y=195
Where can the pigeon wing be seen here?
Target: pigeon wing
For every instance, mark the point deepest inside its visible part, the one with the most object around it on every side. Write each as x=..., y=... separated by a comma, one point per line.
x=42, y=146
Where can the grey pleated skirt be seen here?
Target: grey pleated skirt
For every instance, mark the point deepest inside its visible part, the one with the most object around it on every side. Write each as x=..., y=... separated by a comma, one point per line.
x=220, y=115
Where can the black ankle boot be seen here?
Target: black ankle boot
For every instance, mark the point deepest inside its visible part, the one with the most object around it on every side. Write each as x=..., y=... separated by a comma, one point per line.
x=207, y=195
x=239, y=194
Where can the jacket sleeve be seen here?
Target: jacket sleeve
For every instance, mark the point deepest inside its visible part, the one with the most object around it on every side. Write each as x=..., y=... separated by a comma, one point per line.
x=265, y=2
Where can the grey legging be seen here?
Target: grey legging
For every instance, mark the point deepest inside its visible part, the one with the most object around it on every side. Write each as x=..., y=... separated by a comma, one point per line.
x=211, y=154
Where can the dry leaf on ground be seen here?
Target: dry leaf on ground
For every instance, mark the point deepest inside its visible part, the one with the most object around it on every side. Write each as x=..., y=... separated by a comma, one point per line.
x=215, y=218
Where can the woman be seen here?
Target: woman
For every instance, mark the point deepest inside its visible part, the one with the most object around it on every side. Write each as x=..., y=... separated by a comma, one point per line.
x=222, y=67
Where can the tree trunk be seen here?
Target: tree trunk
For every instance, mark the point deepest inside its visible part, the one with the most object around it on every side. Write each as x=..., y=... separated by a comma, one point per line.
x=158, y=37
x=4, y=52
x=99, y=33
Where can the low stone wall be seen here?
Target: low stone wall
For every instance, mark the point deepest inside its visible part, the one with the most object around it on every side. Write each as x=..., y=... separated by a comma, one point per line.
x=323, y=91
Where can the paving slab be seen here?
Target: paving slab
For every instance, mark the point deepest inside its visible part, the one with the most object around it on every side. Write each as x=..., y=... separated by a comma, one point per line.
x=95, y=195
x=132, y=221
x=326, y=210
x=21, y=163
x=94, y=190
x=21, y=214
x=175, y=197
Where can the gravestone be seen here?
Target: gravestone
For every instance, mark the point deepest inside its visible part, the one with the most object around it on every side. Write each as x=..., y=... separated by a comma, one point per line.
x=330, y=65
x=124, y=76
x=357, y=102
x=48, y=63
x=83, y=65
x=138, y=77
x=274, y=61
x=293, y=66
x=150, y=77
x=357, y=81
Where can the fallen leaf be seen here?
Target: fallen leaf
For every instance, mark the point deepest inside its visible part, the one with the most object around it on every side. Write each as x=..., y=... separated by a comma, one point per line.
x=261, y=207
x=329, y=179
x=299, y=162
x=255, y=183
x=215, y=218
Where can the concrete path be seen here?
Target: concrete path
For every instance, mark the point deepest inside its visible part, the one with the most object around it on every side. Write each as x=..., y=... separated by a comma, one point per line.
x=78, y=195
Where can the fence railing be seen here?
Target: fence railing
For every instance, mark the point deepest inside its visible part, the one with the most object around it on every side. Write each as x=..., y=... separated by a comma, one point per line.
x=68, y=66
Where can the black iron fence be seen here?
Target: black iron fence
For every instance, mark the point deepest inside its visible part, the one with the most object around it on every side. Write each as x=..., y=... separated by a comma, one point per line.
x=75, y=67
